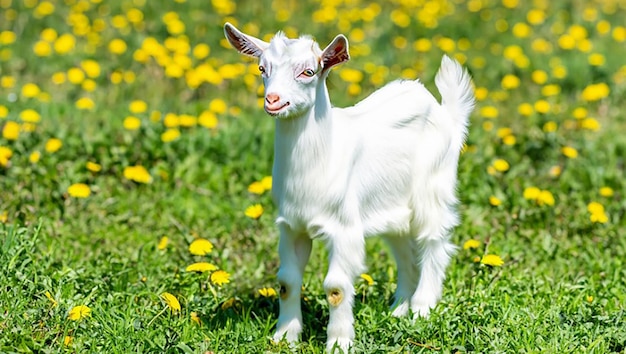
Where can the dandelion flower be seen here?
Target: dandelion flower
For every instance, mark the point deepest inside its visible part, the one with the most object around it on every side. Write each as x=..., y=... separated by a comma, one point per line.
x=218, y=106
x=170, y=135
x=5, y=155
x=163, y=243
x=34, y=157
x=30, y=116
x=30, y=90
x=85, y=103
x=606, y=191
x=93, y=167
x=471, y=244
x=256, y=188
x=117, y=46
x=228, y=303
x=510, y=82
x=11, y=130
x=132, y=123
x=254, y=211
x=79, y=312
x=595, y=92
x=368, y=279
x=137, y=174
x=171, y=301
x=138, y=106
x=200, y=267
x=494, y=201
x=53, y=145
x=267, y=182
x=79, y=190
x=267, y=292
x=501, y=165
x=531, y=193
x=220, y=278
x=545, y=197
x=492, y=260
x=208, y=119
x=489, y=112
x=569, y=152
x=200, y=247
x=67, y=341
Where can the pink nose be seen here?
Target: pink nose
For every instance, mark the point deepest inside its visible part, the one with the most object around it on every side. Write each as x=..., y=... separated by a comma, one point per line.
x=272, y=98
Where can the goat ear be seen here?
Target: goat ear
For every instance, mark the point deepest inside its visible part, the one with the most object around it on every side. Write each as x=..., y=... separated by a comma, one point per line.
x=336, y=52
x=244, y=43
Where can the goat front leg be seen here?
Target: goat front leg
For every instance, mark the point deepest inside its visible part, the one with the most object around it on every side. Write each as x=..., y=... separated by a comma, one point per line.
x=346, y=262
x=294, y=251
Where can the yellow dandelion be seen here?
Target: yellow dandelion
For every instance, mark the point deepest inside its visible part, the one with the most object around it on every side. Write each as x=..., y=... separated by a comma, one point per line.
x=352, y=76
x=494, y=201
x=200, y=267
x=550, y=127
x=163, y=243
x=11, y=130
x=93, y=167
x=34, y=157
x=531, y=193
x=4, y=216
x=267, y=292
x=64, y=43
x=510, y=82
x=137, y=174
x=5, y=155
x=267, y=182
x=489, y=112
x=170, y=135
x=569, y=152
x=53, y=145
x=171, y=301
x=606, y=191
x=256, y=188
x=30, y=116
x=542, y=106
x=595, y=92
x=471, y=244
x=368, y=279
x=525, y=109
x=85, y=103
x=200, y=247
x=79, y=312
x=220, y=277
x=208, y=119
x=545, y=198
x=228, y=303
x=4, y=111
x=492, y=260
x=132, y=123
x=67, y=341
x=590, y=124
x=501, y=165
x=138, y=106
x=254, y=211
x=79, y=190
x=30, y=90
x=117, y=46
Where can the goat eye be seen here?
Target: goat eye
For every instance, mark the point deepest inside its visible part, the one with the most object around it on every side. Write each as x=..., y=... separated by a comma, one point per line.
x=262, y=69
x=308, y=73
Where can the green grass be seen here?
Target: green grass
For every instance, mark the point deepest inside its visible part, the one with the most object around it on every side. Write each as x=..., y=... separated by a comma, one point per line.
x=561, y=288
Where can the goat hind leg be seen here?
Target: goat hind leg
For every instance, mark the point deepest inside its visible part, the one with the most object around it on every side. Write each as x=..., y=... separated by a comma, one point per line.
x=405, y=254
x=294, y=254
x=434, y=258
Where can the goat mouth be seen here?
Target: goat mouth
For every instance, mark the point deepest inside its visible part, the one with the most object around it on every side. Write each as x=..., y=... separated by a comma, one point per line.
x=275, y=109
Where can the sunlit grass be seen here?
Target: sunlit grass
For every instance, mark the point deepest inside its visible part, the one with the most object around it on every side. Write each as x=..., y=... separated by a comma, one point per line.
x=135, y=190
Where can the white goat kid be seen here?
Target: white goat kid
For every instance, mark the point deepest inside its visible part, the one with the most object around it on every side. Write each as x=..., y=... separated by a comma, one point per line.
x=386, y=166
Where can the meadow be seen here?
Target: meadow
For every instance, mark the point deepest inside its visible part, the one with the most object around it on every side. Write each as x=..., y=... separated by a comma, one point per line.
x=135, y=162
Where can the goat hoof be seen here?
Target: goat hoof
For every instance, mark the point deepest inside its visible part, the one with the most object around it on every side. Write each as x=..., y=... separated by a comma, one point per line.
x=338, y=345
x=400, y=310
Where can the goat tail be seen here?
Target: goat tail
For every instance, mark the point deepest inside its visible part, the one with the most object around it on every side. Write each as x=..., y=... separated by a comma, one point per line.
x=457, y=93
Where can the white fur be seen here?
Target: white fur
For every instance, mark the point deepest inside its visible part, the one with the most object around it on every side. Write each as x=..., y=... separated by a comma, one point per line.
x=386, y=166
